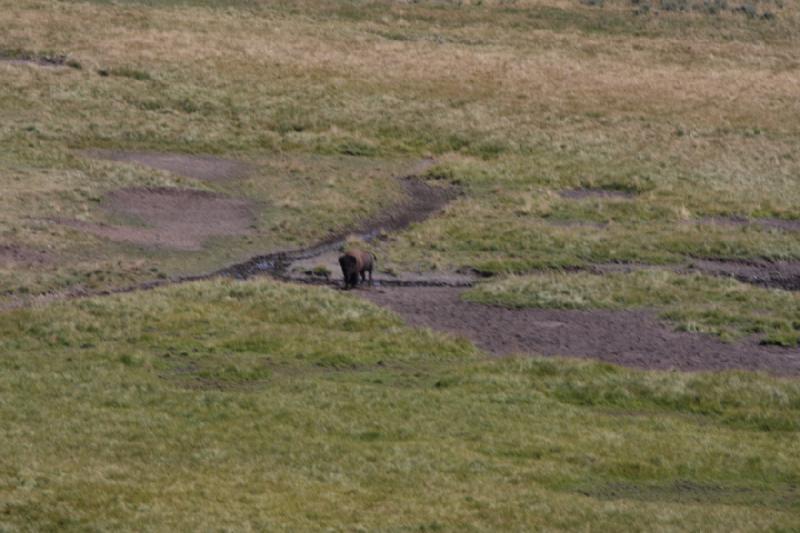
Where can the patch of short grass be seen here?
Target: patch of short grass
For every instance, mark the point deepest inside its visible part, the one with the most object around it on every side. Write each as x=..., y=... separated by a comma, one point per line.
x=208, y=405
x=695, y=302
x=261, y=324
x=514, y=217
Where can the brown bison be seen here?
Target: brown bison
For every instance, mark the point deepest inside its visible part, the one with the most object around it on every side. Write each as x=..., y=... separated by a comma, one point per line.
x=356, y=262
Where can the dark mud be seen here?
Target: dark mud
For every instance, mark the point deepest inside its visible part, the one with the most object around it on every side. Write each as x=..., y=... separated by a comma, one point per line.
x=422, y=201
x=630, y=338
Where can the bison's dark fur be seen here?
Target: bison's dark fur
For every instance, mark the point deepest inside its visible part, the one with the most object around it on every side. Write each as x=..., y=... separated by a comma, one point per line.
x=356, y=262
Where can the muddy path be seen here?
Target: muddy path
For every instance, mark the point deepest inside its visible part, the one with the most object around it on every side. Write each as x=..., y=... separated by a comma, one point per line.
x=422, y=201
x=632, y=338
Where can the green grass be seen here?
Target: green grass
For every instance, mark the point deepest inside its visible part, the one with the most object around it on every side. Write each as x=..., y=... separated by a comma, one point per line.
x=258, y=405
x=208, y=406
x=722, y=306
x=513, y=218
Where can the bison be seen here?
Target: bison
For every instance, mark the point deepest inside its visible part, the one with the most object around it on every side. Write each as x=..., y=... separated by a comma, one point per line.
x=356, y=262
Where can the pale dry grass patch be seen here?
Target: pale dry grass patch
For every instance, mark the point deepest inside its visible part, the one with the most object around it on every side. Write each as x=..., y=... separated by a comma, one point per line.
x=500, y=82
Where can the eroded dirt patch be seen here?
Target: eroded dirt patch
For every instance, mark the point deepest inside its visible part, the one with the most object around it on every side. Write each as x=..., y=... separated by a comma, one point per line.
x=685, y=491
x=422, y=201
x=180, y=219
x=202, y=167
x=576, y=223
x=325, y=267
x=20, y=57
x=630, y=338
x=775, y=274
x=585, y=192
x=13, y=255
x=769, y=223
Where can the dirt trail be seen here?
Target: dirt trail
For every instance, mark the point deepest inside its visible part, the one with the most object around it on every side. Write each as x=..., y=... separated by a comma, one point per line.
x=39, y=60
x=12, y=256
x=737, y=221
x=423, y=200
x=586, y=192
x=630, y=338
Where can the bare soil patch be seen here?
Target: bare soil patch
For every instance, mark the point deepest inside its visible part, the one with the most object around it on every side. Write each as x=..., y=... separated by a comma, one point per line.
x=181, y=219
x=776, y=274
x=773, y=274
x=13, y=255
x=630, y=338
x=325, y=267
x=576, y=223
x=584, y=192
x=26, y=58
x=686, y=491
x=771, y=223
x=202, y=167
x=422, y=201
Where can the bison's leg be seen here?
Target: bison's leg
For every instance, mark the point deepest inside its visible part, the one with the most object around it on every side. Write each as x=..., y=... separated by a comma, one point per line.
x=370, y=276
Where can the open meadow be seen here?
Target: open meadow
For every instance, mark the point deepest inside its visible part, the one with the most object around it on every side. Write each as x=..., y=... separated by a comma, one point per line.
x=586, y=314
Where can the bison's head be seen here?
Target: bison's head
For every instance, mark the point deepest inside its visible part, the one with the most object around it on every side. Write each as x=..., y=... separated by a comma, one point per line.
x=349, y=266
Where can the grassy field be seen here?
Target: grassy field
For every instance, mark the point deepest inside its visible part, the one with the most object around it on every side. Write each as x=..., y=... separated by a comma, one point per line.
x=222, y=405
x=693, y=111
x=218, y=405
